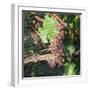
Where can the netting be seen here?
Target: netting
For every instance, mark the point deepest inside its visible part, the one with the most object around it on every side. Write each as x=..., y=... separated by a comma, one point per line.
x=41, y=68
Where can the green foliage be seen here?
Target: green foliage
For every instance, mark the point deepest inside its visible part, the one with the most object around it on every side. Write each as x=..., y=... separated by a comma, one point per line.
x=70, y=69
x=48, y=30
x=71, y=49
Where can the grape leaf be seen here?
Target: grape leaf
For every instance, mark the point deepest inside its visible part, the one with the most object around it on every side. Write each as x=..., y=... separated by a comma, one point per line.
x=48, y=30
x=70, y=69
x=71, y=49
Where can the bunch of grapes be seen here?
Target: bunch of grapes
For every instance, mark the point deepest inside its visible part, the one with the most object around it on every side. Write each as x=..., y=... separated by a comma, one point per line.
x=57, y=47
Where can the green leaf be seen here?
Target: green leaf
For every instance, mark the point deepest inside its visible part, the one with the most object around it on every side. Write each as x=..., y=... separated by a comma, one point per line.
x=71, y=25
x=48, y=30
x=51, y=35
x=70, y=69
x=71, y=49
x=31, y=51
x=43, y=35
x=64, y=18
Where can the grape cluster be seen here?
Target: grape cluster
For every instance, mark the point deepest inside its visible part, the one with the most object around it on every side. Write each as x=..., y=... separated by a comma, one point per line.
x=57, y=47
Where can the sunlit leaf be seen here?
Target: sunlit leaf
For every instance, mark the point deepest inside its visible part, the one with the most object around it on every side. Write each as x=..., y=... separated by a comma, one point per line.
x=70, y=69
x=48, y=30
